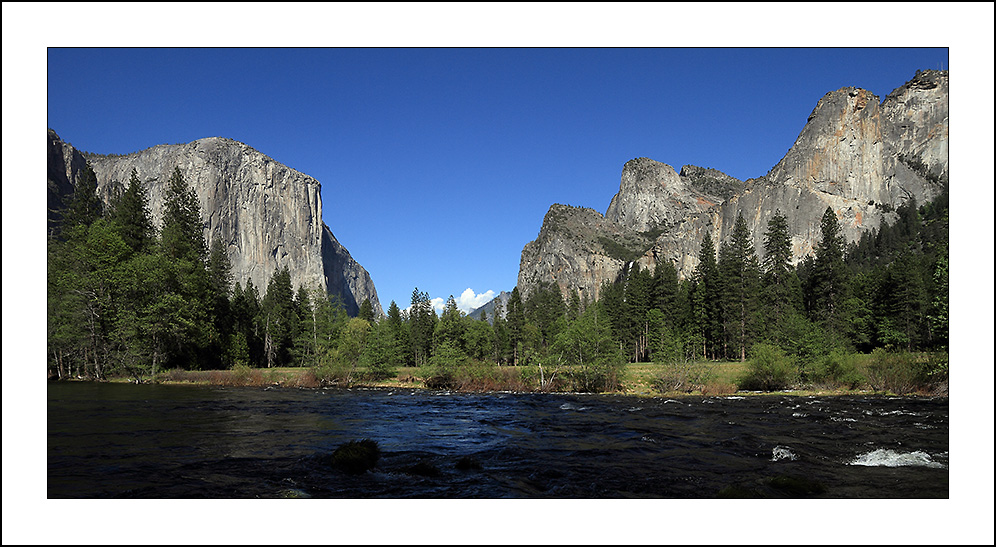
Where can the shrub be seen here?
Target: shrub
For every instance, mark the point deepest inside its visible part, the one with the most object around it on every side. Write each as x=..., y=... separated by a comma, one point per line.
x=769, y=369
x=603, y=375
x=904, y=372
x=839, y=367
x=682, y=376
x=440, y=373
x=356, y=456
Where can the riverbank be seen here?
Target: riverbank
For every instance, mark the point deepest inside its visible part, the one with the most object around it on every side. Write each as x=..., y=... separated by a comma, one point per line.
x=637, y=379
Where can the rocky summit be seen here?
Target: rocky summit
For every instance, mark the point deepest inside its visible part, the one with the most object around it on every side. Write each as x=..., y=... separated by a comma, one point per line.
x=268, y=215
x=858, y=155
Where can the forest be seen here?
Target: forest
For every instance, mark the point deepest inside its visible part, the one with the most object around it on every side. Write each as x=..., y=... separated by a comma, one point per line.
x=127, y=300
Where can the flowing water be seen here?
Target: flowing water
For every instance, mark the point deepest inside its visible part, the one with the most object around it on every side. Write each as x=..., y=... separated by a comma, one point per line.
x=147, y=441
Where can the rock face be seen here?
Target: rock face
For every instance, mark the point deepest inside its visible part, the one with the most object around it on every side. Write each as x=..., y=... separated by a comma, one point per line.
x=856, y=155
x=268, y=215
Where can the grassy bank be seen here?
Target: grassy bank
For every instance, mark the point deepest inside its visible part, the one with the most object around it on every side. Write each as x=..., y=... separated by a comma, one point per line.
x=705, y=378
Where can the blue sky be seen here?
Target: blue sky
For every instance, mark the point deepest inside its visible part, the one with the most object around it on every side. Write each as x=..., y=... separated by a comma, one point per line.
x=438, y=164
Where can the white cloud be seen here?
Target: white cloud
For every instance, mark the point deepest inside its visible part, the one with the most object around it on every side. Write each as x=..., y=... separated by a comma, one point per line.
x=468, y=301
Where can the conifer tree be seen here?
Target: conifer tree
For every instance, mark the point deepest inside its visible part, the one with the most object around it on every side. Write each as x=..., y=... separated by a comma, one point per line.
x=132, y=217
x=183, y=229
x=705, y=298
x=422, y=323
x=740, y=279
x=450, y=327
x=85, y=206
x=276, y=318
x=366, y=312
x=828, y=280
x=515, y=320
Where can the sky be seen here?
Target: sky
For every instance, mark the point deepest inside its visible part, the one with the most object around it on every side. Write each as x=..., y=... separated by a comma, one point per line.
x=438, y=164
x=441, y=134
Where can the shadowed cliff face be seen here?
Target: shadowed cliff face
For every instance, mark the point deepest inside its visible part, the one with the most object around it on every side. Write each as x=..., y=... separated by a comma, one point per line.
x=267, y=215
x=859, y=156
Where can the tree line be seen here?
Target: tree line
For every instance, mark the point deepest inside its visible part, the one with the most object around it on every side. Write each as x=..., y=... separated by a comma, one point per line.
x=125, y=298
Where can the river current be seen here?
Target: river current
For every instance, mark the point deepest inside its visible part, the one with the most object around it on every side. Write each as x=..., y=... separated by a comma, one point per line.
x=149, y=441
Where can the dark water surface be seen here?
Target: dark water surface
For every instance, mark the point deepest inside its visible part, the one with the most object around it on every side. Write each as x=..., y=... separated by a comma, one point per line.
x=147, y=441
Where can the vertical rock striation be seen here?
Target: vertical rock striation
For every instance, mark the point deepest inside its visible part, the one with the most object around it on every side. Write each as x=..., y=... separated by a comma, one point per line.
x=268, y=215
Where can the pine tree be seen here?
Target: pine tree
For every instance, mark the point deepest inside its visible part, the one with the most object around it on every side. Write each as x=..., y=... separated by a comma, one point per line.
x=740, y=280
x=366, y=312
x=85, y=206
x=543, y=308
x=132, y=217
x=450, y=327
x=183, y=230
x=828, y=281
x=276, y=318
x=705, y=298
x=422, y=324
x=515, y=320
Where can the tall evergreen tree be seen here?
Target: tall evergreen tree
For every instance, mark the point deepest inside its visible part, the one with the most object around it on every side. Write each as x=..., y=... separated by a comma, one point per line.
x=450, y=327
x=515, y=320
x=422, y=324
x=543, y=308
x=828, y=280
x=665, y=291
x=183, y=229
x=782, y=288
x=705, y=299
x=132, y=217
x=276, y=318
x=85, y=207
x=366, y=312
x=740, y=274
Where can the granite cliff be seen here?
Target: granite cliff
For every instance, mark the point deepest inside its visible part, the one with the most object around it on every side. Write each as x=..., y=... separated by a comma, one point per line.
x=856, y=154
x=268, y=215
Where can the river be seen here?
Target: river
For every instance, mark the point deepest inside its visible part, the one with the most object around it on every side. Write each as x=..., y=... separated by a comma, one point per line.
x=167, y=441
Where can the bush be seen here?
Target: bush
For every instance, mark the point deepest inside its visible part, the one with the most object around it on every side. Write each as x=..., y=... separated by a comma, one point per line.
x=840, y=368
x=603, y=375
x=683, y=377
x=903, y=372
x=440, y=373
x=769, y=369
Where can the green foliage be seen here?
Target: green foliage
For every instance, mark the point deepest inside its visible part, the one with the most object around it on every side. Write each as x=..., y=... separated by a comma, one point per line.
x=183, y=229
x=828, y=282
x=366, y=311
x=442, y=367
x=905, y=372
x=381, y=355
x=769, y=369
x=421, y=326
x=681, y=376
x=840, y=368
x=132, y=216
x=593, y=358
x=619, y=251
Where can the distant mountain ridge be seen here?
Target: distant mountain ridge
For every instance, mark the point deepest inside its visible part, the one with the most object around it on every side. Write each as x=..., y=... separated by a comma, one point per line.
x=268, y=215
x=861, y=157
